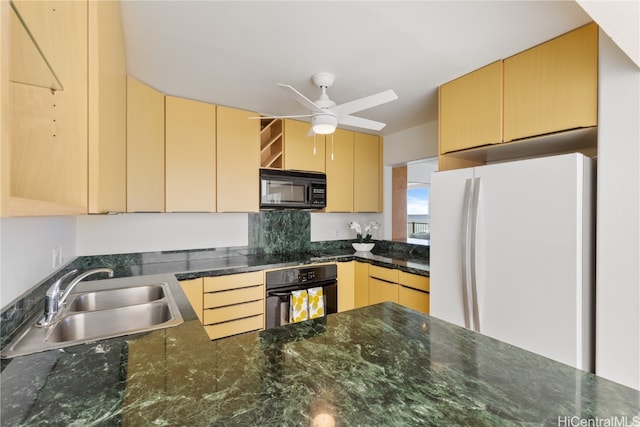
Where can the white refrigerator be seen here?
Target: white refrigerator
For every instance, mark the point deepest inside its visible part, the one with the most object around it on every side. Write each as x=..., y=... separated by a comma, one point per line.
x=512, y=253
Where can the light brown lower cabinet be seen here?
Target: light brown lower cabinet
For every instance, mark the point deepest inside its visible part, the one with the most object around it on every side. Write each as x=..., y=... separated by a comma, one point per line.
x=387, y=284
x=361, y=284
x=346, y=286
x=413, y=291
x=231, y=304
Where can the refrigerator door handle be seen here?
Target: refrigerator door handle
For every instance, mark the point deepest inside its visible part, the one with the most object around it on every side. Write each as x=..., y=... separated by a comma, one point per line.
x=473, y=259
x=466, y=210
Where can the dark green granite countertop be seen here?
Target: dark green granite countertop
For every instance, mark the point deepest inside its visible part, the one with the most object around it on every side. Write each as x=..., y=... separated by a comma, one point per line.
x=193, y=264
x=382, y=365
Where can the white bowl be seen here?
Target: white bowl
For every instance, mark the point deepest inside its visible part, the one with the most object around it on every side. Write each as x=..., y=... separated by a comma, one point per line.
x=363, y=247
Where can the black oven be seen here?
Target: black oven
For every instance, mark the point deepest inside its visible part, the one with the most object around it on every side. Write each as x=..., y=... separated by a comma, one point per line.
x=280, y=283
x=286, y=189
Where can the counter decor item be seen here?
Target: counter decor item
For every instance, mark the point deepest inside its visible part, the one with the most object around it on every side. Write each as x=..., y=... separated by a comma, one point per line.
x=363, y=244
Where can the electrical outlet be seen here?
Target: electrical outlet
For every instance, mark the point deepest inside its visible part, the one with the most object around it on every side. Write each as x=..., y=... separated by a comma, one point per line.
x=57, y=257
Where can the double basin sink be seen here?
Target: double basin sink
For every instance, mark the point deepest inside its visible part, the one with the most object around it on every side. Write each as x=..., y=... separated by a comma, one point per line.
x=102, y=309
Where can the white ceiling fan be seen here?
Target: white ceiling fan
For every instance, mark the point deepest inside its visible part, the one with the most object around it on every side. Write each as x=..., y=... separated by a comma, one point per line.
x=326, y=115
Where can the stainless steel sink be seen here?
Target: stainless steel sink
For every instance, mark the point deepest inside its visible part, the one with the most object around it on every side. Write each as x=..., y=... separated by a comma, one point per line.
x=112, y=298
x=108, y=323
x=102, y=309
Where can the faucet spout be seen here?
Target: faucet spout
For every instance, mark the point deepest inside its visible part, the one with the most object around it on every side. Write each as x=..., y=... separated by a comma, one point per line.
x=55, y=298
x=79, y=279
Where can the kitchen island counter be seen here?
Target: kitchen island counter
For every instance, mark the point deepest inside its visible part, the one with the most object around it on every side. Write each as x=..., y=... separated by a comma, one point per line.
x=379, y=365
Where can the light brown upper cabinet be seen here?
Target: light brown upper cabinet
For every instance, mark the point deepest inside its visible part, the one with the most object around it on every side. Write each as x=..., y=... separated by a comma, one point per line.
x=552, y=86
x=145, y=148
x=107, y=109
x=44, y=135
x=190, y=149
x=238, y=160
x=339, y=170
x=302, y=152
x=470, y=110
x=367, y=178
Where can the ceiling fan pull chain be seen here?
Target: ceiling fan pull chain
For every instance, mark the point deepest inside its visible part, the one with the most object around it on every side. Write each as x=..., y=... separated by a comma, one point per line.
x=314, y=144
x=331, y=146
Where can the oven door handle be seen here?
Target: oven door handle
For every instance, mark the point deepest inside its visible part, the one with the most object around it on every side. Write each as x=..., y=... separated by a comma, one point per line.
x=278, y=294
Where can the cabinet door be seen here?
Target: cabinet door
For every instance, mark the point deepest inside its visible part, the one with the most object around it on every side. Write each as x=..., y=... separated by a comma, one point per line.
x=553, y=86
x=381, y=291
x=193, y=289
x=339, y=169
x=346, y=286
x=470, y=110
x=367, y=173
x=303, y=152
x=107, y=110
x=414, y=299
x=238, y=160
x=145, y=148
x=190, y=149
x=361, y=297
x=44, y=135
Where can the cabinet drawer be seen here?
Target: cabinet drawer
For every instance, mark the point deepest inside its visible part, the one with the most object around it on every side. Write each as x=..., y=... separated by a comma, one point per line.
x=381, y=291
x=236, y=296
x=226, y=329
x=232, y=281
x=233, y=312
x=382, y=273
x=414, y=281
x=416, y=300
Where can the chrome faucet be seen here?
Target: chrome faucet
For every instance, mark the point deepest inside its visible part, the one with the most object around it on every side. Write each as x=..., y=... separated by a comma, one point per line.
x=55, y=298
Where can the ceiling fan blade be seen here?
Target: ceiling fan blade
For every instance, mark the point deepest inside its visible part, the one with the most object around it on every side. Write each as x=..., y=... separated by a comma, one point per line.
x=303, y=100
x=360, y=122
x=282, y=117
x=364, y=103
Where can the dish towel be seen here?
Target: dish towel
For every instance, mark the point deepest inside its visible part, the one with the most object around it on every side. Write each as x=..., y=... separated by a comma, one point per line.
x=316, y=303
x=298, y=306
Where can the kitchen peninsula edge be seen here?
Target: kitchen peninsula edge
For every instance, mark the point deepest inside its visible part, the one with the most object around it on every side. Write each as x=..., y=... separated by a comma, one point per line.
x=383, y=364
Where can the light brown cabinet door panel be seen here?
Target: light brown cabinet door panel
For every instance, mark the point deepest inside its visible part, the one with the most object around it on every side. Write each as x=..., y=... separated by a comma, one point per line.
x=381, y=291
x=145, y=148
x=367, y=173
x=339, y=170
x=346, y=286
x=238, y=160
x=302, y=152
x=107, y=109
x=552, y=86
x=190, y=147
x=414, y=299
x=470, y=110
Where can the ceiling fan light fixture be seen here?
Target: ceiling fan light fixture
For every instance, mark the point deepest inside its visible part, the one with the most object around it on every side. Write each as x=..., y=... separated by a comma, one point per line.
x=324, y=124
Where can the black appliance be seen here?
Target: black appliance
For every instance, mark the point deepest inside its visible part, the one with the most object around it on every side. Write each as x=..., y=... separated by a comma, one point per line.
x=287, y=189
x=280, y=283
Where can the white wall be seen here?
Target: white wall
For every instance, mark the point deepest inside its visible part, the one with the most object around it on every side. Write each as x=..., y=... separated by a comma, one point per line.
x=416, y=143
x=148, y=232
x=618, y=220
x=335, y=226
x=26, y=245
x=619, y=20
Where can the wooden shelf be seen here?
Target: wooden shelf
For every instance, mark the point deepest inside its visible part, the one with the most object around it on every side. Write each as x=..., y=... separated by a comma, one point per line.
x=274, y=162
x=271, y=143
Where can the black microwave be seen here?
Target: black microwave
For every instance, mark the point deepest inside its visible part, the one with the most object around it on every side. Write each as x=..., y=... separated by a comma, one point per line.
x=289, y=189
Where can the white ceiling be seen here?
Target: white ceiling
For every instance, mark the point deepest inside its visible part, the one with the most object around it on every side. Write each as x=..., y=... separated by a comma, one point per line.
x=234, y=52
